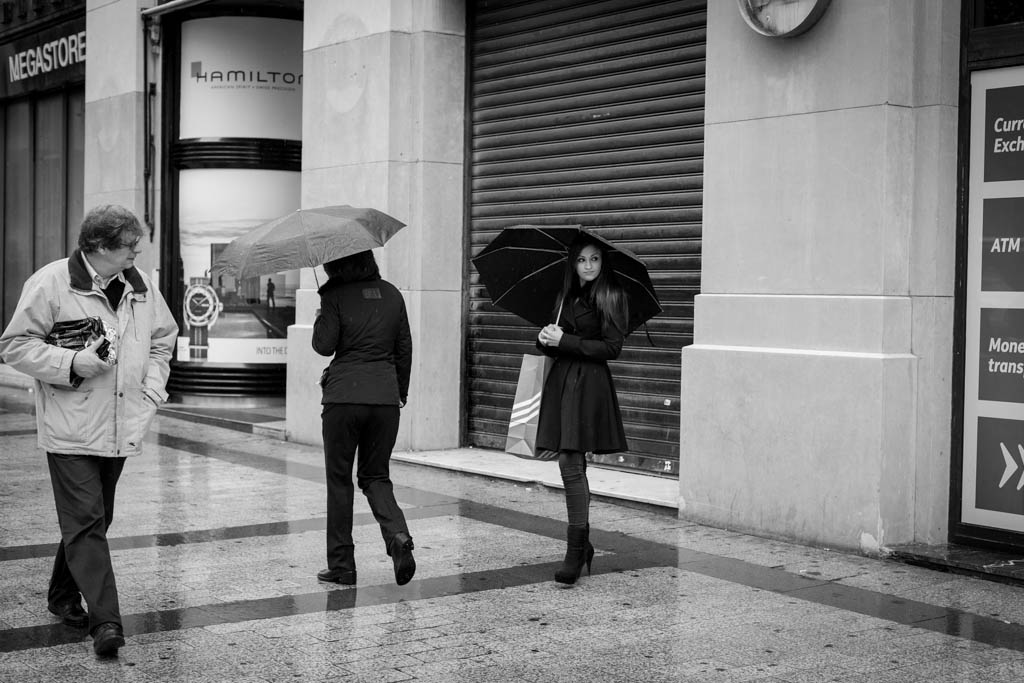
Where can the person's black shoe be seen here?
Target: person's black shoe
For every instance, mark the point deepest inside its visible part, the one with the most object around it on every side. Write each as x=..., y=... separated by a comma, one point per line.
x=107, y=638
x=345, y=577
x=400, y=551
x=71, y=613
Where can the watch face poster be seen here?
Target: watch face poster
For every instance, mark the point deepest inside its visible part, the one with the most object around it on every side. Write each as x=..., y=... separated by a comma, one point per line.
x=993, y=446
x=231, y=320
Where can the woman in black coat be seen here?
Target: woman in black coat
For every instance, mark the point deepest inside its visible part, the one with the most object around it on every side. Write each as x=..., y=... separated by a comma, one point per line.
x=579, y=411
x=363, y=324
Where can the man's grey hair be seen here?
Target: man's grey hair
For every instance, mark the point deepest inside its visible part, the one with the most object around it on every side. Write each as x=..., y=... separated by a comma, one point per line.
x=108, y=226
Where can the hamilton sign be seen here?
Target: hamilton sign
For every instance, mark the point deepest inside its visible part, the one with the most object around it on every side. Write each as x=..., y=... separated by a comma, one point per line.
x=244, y=77
x=47, y=59
x=240, y=77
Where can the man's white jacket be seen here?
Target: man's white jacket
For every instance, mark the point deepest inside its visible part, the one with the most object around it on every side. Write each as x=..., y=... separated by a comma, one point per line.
x=107, y=415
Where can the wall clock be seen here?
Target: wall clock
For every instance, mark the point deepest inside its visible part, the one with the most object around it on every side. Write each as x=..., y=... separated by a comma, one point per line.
x=782, y=18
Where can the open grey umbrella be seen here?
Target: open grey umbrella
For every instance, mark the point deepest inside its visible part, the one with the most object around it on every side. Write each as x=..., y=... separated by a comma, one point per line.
x=306, y=238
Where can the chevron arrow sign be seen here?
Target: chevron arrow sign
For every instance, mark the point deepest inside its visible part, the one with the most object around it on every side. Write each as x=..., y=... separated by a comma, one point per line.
x=1012, y=466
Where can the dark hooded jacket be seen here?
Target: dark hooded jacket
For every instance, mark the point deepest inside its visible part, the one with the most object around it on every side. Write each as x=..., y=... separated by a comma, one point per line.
x=364, y=325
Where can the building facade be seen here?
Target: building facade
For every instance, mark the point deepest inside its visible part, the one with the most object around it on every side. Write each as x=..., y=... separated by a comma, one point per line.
x=42, y=145
x=835, y=362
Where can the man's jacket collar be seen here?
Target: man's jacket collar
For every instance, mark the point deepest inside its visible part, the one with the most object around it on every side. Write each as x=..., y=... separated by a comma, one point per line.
x=80, y=279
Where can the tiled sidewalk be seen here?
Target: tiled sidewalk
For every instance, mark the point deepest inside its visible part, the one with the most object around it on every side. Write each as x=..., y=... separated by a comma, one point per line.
x=218, y=535
x=610, y=483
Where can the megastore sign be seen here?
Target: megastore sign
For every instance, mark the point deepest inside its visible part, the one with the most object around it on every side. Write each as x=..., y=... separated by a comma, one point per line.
x=47, y=59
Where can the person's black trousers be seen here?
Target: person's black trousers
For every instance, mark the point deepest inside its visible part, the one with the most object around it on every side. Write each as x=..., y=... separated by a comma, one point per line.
x=83, y=490
x=371, y=430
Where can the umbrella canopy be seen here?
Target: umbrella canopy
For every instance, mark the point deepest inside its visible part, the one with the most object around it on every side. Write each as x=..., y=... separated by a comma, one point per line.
x=523, y=267
x=306, y=238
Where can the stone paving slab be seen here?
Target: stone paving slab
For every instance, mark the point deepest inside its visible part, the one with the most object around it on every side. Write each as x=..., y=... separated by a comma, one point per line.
x=218, y=535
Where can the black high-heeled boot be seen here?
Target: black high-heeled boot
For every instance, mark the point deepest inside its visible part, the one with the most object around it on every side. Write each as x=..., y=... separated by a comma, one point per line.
x=578, y=552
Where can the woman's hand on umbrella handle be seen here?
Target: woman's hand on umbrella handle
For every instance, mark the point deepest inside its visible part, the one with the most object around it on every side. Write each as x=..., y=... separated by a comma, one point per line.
x=550, y=335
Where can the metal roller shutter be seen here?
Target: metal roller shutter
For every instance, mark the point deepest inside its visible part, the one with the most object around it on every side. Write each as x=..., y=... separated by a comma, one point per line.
x=592, y=113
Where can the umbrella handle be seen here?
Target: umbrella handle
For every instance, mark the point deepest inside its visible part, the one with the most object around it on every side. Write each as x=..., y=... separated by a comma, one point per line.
x=559, y=315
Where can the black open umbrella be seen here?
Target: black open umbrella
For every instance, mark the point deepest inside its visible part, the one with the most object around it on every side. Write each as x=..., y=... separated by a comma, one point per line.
x=523, y=267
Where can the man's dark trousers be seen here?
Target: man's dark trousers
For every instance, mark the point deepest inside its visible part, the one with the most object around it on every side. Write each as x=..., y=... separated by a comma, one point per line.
x=372, y=429
x=83, y=489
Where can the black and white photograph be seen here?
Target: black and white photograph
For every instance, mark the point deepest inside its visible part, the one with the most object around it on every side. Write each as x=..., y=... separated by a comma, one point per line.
x=468, y=341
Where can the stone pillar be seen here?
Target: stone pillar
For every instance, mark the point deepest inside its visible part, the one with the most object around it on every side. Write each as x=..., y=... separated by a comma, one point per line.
x=114, y=106
x=383, y=127
x=817, y=394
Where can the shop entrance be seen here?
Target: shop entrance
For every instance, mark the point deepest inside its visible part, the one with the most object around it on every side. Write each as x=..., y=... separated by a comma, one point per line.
x=590, y=114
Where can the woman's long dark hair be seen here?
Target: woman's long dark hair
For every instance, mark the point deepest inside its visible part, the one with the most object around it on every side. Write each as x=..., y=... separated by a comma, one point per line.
x=605, y=293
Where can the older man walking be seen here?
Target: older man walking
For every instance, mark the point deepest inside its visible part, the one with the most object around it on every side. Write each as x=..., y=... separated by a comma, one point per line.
x=93, y=404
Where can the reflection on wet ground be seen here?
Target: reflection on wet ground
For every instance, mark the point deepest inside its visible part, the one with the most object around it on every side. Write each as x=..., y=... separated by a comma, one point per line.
x=218, y=536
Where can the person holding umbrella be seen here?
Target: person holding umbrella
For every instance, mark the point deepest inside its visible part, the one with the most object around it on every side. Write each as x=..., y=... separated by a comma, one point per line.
x=604, y=292
x=579, y=411
x=363, y=324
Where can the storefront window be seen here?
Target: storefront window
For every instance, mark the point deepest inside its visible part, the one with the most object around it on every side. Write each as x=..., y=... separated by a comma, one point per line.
x=998, y=12
x=240, y=84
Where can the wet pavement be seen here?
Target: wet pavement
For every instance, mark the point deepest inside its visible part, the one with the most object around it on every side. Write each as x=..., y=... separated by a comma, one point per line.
x=218, y=535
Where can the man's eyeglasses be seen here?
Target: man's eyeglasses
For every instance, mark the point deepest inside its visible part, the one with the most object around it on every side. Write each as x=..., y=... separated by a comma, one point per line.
x=133, y=244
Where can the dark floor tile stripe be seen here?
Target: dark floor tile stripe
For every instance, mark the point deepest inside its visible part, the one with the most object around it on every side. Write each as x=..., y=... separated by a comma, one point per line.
x=26, y=552
x=628, y=553
x=17, y=401
x=245, y=426
x=228, y=418
x=951, y=622
x=267, y=463
x=632, y=553
x=32, y=637
x=225, y=453
x=18, y=432
x=636, y=552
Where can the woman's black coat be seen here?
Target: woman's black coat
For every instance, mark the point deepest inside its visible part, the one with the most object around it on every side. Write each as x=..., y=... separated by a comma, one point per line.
x=579, y=410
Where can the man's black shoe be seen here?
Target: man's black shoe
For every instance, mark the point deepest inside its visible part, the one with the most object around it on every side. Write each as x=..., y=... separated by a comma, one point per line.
x=346, y=577
x=401, y=554
x=107, y=638
x=71, y=613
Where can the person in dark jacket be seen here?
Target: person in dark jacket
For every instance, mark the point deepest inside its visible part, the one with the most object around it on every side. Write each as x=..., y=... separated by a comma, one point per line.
x=579, y=411
x=363, y=323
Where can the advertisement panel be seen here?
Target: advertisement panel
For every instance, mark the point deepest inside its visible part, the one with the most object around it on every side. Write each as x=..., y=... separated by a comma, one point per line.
x=241, y=78
x=993, y=443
